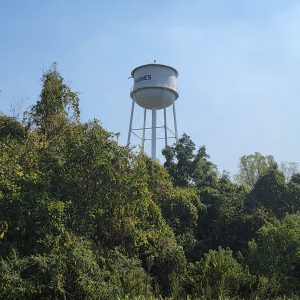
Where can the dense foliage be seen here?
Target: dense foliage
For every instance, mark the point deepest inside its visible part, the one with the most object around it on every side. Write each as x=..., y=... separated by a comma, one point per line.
x=84, y=218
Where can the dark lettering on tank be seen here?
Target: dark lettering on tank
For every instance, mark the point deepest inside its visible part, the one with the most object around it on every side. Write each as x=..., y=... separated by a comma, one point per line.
x=146, y=77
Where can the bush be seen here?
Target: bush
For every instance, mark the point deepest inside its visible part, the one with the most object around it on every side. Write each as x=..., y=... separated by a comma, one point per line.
x=219, y=274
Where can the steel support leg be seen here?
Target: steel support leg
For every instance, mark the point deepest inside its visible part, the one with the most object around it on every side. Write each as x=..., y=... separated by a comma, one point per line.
x=130, y=123
x=144, y=126
x=165, y=119
x=153, y=139
x=175, y=122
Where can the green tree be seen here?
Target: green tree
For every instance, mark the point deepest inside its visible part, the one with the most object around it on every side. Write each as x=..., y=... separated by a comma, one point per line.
x=293, y=194
x=187, y=167
x=218, y=275
x=205, y=172
x=222, y=222
x=180, y=206
x=67, y=179
x=275, y=256
x=70, y=270
x=270, y=192
x=253, y=166
x=11, y=128
x=289, y=169
x=57, y=105
x=84, y=218
x=180, y=161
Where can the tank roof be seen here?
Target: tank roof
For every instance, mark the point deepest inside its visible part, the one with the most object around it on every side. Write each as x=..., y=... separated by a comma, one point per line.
x=154, y=64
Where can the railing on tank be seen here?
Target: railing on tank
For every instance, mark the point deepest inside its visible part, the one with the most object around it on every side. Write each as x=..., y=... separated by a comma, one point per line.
x=144, y=84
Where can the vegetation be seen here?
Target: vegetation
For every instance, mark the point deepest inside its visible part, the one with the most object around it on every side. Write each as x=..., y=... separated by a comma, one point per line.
x=84, y=218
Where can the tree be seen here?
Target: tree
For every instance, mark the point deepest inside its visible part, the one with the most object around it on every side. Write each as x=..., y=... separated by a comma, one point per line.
x=270, y=192
x=219, y=275
x=275, y=256
x=188, y=168
x=84, y=218
x=289, y=169
x=70, y=270
x=180, y=161
x=292, y=196
x=253, y=166
x=205, y=172
x=222, y=222
x=57, y=105
x=11, y=128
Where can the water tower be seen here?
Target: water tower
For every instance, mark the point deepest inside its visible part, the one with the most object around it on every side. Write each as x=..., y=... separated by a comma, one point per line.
x=154, y=89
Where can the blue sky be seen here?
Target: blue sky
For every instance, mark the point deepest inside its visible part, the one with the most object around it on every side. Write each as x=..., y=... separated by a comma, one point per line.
x=238, y=63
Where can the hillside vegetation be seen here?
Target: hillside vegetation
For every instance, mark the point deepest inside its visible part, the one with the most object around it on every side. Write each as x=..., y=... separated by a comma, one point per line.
x=84, y=218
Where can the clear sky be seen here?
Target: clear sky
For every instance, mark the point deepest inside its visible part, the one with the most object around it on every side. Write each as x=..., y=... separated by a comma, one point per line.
x=238, y=63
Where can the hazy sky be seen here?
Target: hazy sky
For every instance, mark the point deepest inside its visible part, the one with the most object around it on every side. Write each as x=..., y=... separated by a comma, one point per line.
x=238, y=63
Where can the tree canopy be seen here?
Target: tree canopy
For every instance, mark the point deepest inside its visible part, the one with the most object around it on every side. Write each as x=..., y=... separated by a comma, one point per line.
x=82, y=217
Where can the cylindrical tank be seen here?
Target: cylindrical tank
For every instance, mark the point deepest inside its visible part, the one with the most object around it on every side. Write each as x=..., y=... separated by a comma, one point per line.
x=154, y=86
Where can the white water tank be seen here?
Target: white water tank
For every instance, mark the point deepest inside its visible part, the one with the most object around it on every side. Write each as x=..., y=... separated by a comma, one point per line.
x=154, y=86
